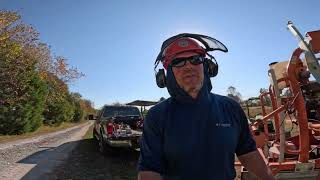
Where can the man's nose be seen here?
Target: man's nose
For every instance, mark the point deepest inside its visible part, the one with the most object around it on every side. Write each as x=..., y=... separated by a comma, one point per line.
x=188, y=65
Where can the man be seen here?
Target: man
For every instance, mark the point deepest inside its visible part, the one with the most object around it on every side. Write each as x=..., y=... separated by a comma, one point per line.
x=194, y=134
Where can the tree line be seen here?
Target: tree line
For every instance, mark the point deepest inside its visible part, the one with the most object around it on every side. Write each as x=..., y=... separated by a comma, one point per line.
x=234, y=94
x=34, y=84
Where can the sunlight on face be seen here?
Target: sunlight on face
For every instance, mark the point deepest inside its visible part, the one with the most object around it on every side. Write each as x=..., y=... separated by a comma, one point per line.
x=189, y=77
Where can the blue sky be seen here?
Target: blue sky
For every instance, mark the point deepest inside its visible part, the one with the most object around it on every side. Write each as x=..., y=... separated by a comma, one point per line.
x=116, y=42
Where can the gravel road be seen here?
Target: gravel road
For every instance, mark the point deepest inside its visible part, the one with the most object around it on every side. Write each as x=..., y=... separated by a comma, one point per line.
x=33, y=158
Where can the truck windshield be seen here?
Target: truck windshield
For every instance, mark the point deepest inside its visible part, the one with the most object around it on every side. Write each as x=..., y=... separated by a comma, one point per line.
x=121, y=111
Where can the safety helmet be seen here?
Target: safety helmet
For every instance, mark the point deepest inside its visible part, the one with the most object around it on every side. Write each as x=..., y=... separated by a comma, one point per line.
x=180, y=48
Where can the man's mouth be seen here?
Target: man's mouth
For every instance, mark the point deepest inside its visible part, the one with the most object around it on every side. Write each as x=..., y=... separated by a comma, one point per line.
x=189, y=76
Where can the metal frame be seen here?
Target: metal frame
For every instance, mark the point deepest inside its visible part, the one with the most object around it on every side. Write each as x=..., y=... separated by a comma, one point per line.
x=293, y=79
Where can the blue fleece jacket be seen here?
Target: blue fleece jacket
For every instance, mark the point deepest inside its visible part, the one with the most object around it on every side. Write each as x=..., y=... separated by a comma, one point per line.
x=185, y=138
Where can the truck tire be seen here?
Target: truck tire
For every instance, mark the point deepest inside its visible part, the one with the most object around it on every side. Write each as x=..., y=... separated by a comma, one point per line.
x=134, y=144
x=103, y=147
x=94, y=134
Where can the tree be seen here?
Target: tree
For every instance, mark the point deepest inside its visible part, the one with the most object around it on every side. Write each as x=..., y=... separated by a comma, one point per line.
x=88, y=107
x=234, y=94
x=22, y=91
x=59, y=106
x=58, y=111
x=76, y=101
x=31, y=79
x=26, y=38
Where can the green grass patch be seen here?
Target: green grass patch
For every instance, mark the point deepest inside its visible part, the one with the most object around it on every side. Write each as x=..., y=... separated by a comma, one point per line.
x=89, y=134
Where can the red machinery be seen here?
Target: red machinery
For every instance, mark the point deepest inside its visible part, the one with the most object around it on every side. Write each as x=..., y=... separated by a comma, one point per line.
x=296, y=99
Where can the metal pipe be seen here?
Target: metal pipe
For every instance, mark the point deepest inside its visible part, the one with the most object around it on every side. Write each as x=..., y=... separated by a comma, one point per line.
x=265, y=125
x=281, y=114
x=276, y=116
x=294, y=67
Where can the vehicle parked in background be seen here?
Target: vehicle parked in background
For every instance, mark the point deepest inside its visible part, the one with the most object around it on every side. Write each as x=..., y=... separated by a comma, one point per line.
x=118, y=126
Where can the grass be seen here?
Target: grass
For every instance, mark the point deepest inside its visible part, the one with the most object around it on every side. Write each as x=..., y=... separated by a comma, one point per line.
x=85, y=162
x=42, y=130
x=89, y=134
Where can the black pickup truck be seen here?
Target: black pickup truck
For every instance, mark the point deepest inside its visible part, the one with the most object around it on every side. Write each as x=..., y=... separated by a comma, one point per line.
x=118, y=126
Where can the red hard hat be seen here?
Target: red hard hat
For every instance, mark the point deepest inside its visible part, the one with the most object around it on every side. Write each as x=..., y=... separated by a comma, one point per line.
x=182, y=47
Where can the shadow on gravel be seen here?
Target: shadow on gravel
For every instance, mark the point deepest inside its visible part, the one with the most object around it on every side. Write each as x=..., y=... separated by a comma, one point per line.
x=46, y=160
x=85, y=162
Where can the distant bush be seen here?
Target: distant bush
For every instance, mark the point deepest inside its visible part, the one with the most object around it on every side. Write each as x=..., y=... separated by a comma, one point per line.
x=75, y=100
x=83, y=108
x=57, y=112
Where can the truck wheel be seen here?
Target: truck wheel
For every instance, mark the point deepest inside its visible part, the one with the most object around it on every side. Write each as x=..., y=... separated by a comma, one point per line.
x=94, y=134
x=135, y=145
x=103, y=147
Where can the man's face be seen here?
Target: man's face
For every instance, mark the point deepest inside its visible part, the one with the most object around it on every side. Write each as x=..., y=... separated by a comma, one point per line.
x=189, y=77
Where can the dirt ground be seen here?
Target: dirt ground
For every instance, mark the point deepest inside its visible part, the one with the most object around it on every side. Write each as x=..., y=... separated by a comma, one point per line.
x=71, y=154
x=85, y=162
x=33, y=158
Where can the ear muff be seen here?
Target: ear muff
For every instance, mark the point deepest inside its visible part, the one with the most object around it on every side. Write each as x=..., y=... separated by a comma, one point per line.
x=212, y=66
x=161, y=78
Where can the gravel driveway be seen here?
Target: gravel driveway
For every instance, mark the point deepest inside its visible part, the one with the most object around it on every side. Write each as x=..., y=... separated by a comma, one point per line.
x=32, y=158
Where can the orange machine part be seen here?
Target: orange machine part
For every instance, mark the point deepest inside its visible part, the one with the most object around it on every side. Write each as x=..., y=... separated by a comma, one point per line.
x=315, y=40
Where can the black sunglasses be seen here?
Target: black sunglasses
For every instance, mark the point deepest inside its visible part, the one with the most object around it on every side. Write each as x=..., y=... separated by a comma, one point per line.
x=195, y=60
